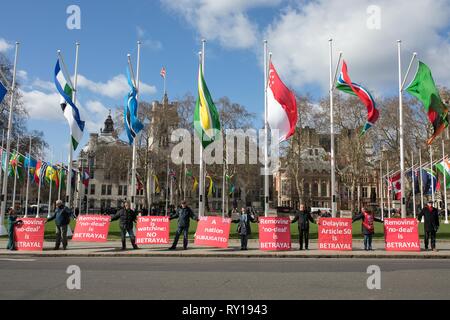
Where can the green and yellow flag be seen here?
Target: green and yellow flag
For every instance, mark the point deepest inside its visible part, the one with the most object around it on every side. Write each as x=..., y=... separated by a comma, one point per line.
x=206, y=117
x=424, y=89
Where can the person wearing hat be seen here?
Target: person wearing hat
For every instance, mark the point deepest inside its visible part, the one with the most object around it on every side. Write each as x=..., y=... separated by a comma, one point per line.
x=184, y=215
x=12, y=222
x=62, y=220
x=431, y=224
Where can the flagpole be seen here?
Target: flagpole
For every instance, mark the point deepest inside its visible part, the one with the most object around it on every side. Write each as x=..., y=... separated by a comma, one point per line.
x=60, y=177
x=333, y=165
x=167, y=187
x=421, y=179
x=50, y=183
x=39, y=192
x=4, y=195
x=445, y=180
x=89, y=181
x=184, y=182
x=389, y=191
x=15, y=175
x=201, y=194
x=223, y=189
x=431, y=172
x=1, y=160
x=413, y=186
x=28, y=179
x=266, y=134
x=381, y=189
x=80, y=185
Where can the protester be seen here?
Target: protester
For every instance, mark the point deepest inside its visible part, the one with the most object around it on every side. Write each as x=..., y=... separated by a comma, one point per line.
x=367, y=226
x=244, y=228
x=127, y=218
x=184, y=214
x=304, y=218
x=431, y=224
x=62, y=220
x=12, y=222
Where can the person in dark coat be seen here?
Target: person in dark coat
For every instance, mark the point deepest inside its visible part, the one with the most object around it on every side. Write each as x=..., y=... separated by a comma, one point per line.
x=244, y=228
x=367, y=226
x=12, y=222
x=184, y=215
x=431, y=227
x=304, y=218
x=127, y=218
x=62, y=218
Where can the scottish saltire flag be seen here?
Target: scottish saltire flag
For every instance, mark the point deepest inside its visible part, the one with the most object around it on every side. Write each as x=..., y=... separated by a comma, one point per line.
x=130, y=112
x=3, y=91
x=346, y=85
x=71, y=112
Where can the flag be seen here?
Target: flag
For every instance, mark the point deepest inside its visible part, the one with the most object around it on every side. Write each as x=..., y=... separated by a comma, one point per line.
x=156, y=181
x=211, y=187
x=139, y=184
x=51, y=176
x=62, y=176
x=424, y=89
x=429, y=177
x=396, y=186
x=173, y=174
x=30, y=165
x=444, y=168
x=16, y=166
x=206, y=117
x=132, y=124
x=189, y=173
x=163, y=72
x=346, y=85
x=231, y=186
x=414, y=173
x=85, y=178
x=282, y=112
x=3, y=91
x=71, y=112
x=41, y=169
x=194, y=184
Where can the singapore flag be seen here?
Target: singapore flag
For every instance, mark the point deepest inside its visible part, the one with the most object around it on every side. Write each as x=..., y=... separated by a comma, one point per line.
x=281, y=106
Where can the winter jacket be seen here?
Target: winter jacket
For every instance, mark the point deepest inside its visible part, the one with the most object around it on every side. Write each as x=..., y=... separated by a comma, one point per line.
x=303, y=218
x=431, y=219
x=367, y=225
x=126, y=218
x=244, y=227
x=184, y=215
x=62, y=216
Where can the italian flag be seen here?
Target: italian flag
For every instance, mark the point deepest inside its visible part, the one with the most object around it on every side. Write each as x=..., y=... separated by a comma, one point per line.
x=206, y=117
x=444, y=167
x=282, y=112
x=71, y=112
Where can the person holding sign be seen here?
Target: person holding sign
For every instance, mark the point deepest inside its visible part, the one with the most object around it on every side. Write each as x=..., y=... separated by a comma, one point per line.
x=244, y=228
x=367, y=226
x=127, y=218
x=304, y=218
x=12, y=222
x=62, y=220
x=431, y=221
x=184, y=214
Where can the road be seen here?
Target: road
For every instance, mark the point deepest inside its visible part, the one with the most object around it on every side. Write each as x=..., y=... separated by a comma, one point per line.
x=215, y=278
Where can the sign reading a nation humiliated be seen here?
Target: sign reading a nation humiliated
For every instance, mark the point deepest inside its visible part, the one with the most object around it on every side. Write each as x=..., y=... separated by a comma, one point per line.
x=152, y=230
x=213, y=232
x=274, y=233
x=29, y=235
x=335, y=234
x=401, y=234
x=91, y=228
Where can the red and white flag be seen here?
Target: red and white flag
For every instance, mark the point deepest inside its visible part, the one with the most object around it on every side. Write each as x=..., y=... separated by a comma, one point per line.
x=396, y=186
x=281, y=106
x=163, y=72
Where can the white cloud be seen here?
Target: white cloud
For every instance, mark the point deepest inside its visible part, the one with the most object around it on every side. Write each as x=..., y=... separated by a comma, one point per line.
x=42, y=106
x=4, y=45
x=146, y=41
x=223, y=20
x=114, y=88
x=43, y=85
x=298, y=38
x=22, y=75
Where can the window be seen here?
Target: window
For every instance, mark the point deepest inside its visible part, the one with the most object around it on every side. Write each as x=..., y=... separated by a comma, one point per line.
x=123, y=176
x=120, y=191
x=315, y=189
x=323, y=189
x=91, y=173
x=364, y=192
x=306, y=189
x=125, y=190
x=108, y=203
x=107, y=175
x=91, y=203
x=103, y=189
x=92, y=189
x=109, y=190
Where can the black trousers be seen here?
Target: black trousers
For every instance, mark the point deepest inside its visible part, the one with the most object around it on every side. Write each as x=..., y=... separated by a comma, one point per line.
x=61, y=236
x=244, y=241
x=303, y=237
x=185, y=231
x=123, y=235
x=430, y=235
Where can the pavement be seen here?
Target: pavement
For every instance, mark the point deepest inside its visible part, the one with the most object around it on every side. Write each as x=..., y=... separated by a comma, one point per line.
x=201, y=278
x=112, y=249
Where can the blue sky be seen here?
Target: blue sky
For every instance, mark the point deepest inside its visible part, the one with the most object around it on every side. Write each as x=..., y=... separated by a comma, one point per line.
x=171, y=31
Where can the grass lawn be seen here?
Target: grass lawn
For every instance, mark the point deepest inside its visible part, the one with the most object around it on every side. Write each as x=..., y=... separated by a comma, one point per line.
x=114, y=231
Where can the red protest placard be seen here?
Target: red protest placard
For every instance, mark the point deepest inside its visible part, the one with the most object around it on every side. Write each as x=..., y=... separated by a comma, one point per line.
x=213, y=232
x=152, y=230
x=274, y=233
x=91, y=228
x=401, y=235
x=335, y=234
x=29, y=236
